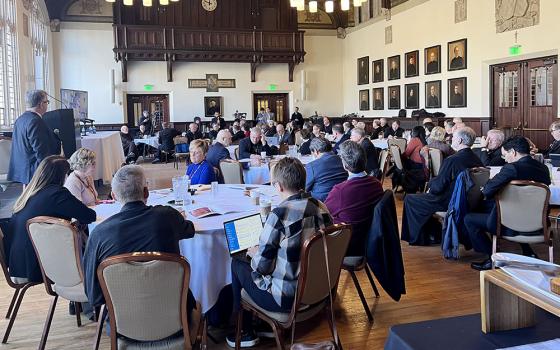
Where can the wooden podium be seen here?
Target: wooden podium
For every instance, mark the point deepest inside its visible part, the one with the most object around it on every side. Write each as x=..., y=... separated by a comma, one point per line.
x=508, y=304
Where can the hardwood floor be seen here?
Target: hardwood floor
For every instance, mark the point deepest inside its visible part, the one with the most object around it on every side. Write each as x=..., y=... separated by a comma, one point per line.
x=436, y=288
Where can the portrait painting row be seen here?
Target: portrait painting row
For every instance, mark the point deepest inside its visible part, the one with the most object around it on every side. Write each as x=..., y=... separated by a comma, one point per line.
x=456, y=60
x=456, y=95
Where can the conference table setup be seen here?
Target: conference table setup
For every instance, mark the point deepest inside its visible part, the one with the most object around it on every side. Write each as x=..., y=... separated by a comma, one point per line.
x=152, y=141
x=109, y=153
x=259, y=173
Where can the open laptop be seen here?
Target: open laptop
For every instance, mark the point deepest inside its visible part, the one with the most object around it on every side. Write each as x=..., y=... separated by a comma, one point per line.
x=555, y=159
x=242, y=234
x=272, y=140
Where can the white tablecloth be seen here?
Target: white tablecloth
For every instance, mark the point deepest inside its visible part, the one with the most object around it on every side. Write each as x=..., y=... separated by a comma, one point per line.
x=380, y=143
x=260, y=175
x=150, y=141
x=109, y=153
x=207, y=251
x=554, y=186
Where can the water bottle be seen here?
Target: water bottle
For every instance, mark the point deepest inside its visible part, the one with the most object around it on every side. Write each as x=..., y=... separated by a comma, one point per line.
x=94, y=130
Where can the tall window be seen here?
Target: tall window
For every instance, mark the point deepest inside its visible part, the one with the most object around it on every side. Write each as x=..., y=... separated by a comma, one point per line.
x=39, y=40
x=9, y=70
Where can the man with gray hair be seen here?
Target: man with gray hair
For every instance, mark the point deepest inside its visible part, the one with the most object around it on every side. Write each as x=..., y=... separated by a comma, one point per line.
x=136, y=228
x=490, y=151
x=418, y=226
x=218, y=151
x=358, y=135
x=252, y=146
x=325, y=171
x=32, y=140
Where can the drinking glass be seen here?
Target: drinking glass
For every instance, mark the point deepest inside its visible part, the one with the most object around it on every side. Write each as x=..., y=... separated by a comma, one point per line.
x=179, y=189
x=214, y=186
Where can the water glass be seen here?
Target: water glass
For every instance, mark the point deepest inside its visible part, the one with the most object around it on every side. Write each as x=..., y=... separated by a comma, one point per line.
x=214, y=186
x=179, y=188
x=263, y=155
x=187, y=201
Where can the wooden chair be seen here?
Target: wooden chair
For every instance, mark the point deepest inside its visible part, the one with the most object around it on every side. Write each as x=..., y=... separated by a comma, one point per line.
x=232, y=172
x=436, y=159
x=312, y=293
x=298, y=139
x=384, y=160
x=522, y=206
x=236, y=153
x=58, y=245
x=20, y=286
x=132, y=287
x=283, y=148
x=181, y=149
x=397, y=141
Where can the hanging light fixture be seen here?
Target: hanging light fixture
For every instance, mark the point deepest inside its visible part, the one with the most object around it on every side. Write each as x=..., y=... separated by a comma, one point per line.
x=110, y=0
x=164, y=2
x=301, y=7
x=293, y=3
x=345, y=5
x=357, y=3
x=329, y=6
x=147, y=3
x=128, y=2
x=313, y=6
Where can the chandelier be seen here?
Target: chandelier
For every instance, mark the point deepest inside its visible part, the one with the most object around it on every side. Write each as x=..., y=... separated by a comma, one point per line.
x=146, y=3
x=329, y=5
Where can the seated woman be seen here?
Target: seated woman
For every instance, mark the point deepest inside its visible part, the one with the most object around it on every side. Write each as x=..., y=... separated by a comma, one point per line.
x=304, y=149
x=437, y=140
x=416, y=170
x=44, y=196
x=80, y=181
x=200, y=171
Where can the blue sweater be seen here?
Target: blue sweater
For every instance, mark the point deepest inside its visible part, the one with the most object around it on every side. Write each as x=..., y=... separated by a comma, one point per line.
x=201, y=173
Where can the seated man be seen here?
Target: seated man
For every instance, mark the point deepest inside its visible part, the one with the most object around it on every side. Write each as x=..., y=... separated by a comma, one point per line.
x=165, y=139
x=352, y=201
x=325, y=171
x=128, y=145
x=520, y=166
x=358, y=135
x=136, y=228
x=490, y=151
x=376, y=129
x=417, y=222
x=394, y=131
x=271, y=277
x=339, y=136
x=384, y=125
x=212, y=134
x=283, y=136
x=193, y=133
x=304, y=149
x=219, y=120
x=252, y=146
x=218, y=150
x=327, y=126
x=554, y=147
x=448, y=126
x=237, y=134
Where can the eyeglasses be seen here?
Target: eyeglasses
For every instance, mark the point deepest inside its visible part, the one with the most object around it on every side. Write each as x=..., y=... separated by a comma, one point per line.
x=46, y=101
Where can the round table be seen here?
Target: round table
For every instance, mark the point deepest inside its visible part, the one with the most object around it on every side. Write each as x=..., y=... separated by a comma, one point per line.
x=207, y=251
x=261, y=174
x=108, y=151
x=150, y=141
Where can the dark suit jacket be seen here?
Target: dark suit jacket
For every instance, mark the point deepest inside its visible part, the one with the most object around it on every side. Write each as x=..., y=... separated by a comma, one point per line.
x=554, y=148
x=395, y=133
x=344, y=137
x=220, y=121
x=246, y=148
x=190, y=135
x=327, y=128
x=372, y=156
x=216, y=153
x=286, y=138
x=32, y=141
x=433, y=101
x=53, y=200
x=297, y=118
x=304, y=148
x=490, y=157
x=166, y=138
x=136, y=228
x=238, y=136
x=322, y=174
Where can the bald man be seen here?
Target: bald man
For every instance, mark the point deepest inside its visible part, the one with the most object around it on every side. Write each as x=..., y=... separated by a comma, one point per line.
x=219, y=151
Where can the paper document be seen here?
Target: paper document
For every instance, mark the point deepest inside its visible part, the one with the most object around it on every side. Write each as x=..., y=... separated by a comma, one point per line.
x=205, y=211
x=546, y=345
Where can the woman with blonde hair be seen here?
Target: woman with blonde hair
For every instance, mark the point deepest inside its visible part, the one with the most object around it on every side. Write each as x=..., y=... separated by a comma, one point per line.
x=44, y=196
x=437, y=140
x=200, y=171
x=80, y=181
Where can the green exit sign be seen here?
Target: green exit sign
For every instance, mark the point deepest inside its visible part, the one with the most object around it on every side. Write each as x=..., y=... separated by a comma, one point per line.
x=148, y=87
x=515, y=50
x=272, y=87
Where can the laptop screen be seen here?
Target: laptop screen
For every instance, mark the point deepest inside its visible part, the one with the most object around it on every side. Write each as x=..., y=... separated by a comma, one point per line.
x=243, y=233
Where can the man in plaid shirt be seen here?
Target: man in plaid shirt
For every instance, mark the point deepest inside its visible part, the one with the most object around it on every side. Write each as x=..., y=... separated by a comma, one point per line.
x=272, y=276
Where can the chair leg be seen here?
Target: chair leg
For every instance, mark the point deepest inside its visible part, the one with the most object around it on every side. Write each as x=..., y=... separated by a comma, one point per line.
x=16, y=292
x=204, y=337
x=238, y=329
x=494, y=247
x=47, y=326
x=279, y=335
x=78, y=313
x=331, y=326
x=15, y=310
x=372, y=282
x=361, y=294
x=100, y=321
x=551, y=253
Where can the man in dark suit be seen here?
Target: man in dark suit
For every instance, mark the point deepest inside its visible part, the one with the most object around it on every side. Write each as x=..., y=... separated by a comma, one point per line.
x=490, y=151
x=237, y=134
x=131, y=152
x=520, y=166
x=417, y=222
x=554, y=147
x=327, y=126
x=457, y=61
x=32, y=140
x=358, y=135
x=411, y=66
x=283, y=136
x=433, y=64
x=146, y=121
x=212, y=134
x=433, y=99
x=325, y=171
x=218, y=151
x=165, y=139
x=394, y=70
x=339, y=136
x=378, y=100
x=219, y=120
x=297, y=118
x=193, y=133
x=136, y=228
x=456, y=96
x=252, y=146
x=411, y=99
x=395, y=130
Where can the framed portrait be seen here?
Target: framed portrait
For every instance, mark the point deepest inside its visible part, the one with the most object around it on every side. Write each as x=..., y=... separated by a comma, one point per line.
x=411, y=64
x=457, y=92
x=457, y=55
x=377, y=69
x=213, y=104
x=364, y=100
x=411, y=99
x=394, y=67
x=378, y=99
x=432, y=59
x=433, y=94
x=394, y=96
x=363, y=70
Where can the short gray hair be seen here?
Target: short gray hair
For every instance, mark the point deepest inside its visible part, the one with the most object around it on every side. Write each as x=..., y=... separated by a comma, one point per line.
x=467, y=135
x=347, y=125
x=128, y=184
x=33, y=98
x=359, y=131
x=498, y=133
x=319, y=144
x=353, y=156
x=256, y=130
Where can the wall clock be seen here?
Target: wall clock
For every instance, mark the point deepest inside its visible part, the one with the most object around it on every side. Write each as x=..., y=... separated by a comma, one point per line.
x=209, y=5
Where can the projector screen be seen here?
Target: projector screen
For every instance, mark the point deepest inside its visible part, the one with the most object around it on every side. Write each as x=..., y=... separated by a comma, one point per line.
x=76, y=100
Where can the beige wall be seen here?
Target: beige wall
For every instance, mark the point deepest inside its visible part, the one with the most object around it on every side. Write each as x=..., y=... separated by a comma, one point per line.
x=84, y=60
x=432, y=23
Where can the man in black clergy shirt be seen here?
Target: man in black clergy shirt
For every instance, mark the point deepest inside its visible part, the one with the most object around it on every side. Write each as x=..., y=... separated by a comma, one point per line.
x=297, y=118
x=252, y=146
x=520, y=166
x=490, y=151
x=419, y=208
x=554, y=147
x=136, y=228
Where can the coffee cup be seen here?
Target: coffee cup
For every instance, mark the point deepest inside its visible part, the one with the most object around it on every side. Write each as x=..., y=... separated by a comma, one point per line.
x=255, y=197
x=266, y=207
x=263, y=155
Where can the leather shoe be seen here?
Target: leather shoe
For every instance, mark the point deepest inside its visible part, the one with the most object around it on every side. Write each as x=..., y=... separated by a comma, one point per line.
x=482, y=265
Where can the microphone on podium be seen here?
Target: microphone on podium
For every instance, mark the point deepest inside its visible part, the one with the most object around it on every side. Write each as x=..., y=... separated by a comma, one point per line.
x=56, y=99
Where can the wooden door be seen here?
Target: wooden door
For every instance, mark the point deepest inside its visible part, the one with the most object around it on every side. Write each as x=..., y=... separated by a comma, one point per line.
x=278, y=104
x=508, y=106
x=157, y=105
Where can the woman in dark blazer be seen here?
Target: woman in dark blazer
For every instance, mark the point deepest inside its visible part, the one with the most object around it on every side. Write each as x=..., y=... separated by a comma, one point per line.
x=44, y=196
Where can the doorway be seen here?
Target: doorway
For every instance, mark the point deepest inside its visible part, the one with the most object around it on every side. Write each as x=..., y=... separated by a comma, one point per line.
x=157, y=105
x=525, y=98
x=278, y=104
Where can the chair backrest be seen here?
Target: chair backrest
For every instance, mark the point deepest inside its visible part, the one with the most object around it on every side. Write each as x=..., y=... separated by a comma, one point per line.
x=398, y=141
x=480, y=177
x=232, y=172
x=179, y=140
x=283, y=148
x=436, y=158
x=384, y=159
x=312, y=284
x=236, y=153
x=298, y=138
x=396, y=156
x=4, y=262
x=523, y=206
x=58, y=246
x=5, y=151
x=146, y=295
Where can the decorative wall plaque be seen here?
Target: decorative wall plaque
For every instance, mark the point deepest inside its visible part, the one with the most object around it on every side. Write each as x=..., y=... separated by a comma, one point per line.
x=516, y=14
x=388, y=35
x=211, y=83
x=460, y=11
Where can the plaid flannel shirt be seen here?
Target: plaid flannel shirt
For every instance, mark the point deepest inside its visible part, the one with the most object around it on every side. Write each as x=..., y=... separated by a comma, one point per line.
x=276, y=265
